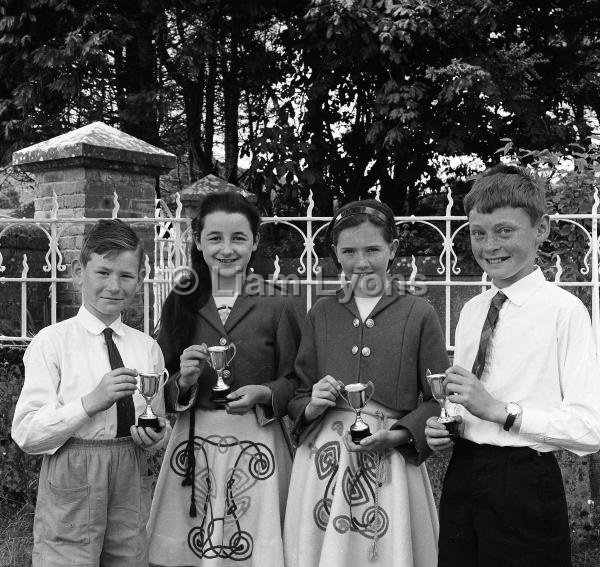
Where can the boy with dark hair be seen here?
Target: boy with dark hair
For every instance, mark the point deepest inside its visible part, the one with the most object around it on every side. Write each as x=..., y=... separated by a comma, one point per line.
x=78, y=408
x=525, y=382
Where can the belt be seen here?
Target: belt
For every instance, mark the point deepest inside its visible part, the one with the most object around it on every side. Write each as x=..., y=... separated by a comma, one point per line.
x=466, y=447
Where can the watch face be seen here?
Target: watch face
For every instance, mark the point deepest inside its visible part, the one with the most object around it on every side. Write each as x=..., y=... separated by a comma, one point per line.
x=513, y=409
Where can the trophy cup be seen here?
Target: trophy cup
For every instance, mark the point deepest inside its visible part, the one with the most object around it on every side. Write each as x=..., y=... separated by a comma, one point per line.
x=149, y=384
x=438, y=391
x=357, y=395
x=219, y=360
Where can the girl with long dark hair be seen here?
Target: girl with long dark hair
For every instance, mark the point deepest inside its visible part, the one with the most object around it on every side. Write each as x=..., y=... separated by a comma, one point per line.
x=221, y=491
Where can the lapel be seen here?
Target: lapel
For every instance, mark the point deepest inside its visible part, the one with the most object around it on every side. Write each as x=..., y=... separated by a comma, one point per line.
x=243, y=304
x=210, y=314
x=387, y=299
x=350, y=305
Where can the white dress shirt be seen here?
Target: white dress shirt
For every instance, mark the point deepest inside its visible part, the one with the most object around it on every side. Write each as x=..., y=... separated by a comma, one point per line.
x=542, y=356
x=65, y=362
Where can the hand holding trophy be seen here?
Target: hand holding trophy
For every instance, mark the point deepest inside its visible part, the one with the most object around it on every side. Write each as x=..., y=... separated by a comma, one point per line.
x=220, y=360
x=149, y=384
x=357, y=395
x=438, y=391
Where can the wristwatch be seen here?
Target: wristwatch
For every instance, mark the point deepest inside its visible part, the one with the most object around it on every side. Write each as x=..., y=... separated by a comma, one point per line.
x=513, y=411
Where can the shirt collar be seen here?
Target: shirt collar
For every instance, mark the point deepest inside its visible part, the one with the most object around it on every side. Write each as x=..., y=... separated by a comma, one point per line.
x=521, y=290
x=93, y=325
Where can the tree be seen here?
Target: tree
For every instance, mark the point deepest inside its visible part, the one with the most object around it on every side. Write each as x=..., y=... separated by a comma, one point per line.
x=387, y=89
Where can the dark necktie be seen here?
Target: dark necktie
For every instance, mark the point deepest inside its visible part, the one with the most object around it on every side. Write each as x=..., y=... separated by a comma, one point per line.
x=125, y=408
x=486, y=332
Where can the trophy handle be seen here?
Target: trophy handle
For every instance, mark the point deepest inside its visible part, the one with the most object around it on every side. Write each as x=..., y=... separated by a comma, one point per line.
x=344, y=394
x=230, y=358
x=164, y=378
x=370, y=387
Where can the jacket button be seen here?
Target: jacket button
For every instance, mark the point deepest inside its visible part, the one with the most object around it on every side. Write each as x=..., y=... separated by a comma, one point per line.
x=354, y=349
x=366, y=351
x=222, y=341
x=226, y=374
x=369, y=323
x=356, y=323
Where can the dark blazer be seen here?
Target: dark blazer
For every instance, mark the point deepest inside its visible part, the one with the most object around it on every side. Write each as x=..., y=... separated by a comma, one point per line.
x=393, y=348
x=266, y=333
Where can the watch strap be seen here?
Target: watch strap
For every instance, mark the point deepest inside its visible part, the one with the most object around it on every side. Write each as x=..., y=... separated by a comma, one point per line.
x=510, y=420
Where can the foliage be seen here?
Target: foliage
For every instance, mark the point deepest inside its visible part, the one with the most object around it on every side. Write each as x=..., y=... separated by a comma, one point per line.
x=384, y=91
x=18, y=470
x=340, y=98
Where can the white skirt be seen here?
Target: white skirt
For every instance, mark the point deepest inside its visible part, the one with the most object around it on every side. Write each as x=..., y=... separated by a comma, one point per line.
x=241, y=482
x=338, y=517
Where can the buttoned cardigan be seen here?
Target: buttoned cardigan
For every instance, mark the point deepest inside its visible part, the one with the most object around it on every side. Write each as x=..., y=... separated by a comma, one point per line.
x=393, y=348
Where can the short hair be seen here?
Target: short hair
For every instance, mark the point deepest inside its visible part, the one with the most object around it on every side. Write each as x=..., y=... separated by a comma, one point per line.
x=110, y=236
x=507, y=186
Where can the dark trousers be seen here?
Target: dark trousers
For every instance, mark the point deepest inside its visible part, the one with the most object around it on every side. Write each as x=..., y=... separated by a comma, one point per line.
x=503, y=507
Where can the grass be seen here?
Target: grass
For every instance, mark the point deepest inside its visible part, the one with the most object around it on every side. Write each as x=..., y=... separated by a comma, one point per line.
x=16, y=541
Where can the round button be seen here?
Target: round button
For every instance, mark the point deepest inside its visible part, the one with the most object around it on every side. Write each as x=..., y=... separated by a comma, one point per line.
x=222, y=341
x=354, y=349
x=369, y=323
x=366, y=351
x=356, y=322
x=226, y=374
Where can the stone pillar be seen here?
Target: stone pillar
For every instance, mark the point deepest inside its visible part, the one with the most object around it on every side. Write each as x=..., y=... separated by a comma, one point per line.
x=85, y=168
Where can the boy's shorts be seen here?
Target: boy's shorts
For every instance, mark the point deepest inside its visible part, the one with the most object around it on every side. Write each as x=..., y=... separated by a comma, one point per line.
x=92, y=506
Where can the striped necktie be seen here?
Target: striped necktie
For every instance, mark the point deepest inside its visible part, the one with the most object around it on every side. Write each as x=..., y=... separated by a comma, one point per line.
x=125, y=407
x=486, y=332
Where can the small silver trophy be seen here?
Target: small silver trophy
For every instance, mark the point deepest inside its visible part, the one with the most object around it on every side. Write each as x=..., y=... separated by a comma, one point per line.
x=220, y=360
x=357, y=395
x=438, y=391
x=149, y=384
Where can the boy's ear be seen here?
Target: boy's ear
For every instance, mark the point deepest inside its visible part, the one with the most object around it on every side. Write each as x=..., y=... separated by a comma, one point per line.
x=77, y=272
x=141, y=276
x=543, y=229
x=256, y=241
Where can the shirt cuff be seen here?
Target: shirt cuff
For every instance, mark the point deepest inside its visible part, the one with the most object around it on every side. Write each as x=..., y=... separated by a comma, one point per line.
x=188, y=400
x=534, y=423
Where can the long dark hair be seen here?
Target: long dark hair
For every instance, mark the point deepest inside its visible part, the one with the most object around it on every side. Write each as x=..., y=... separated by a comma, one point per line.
x=194, y=290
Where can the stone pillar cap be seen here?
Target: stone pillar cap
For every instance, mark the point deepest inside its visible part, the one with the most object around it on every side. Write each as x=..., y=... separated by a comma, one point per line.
x=95, y=145
x=212, y=184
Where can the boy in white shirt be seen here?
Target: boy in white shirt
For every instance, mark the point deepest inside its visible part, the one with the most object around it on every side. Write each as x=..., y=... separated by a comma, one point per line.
x=533, y=387
x=78, y=408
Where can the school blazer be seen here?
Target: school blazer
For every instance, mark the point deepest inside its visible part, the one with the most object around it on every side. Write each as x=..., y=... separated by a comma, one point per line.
x=393, y=348
x=266, y=332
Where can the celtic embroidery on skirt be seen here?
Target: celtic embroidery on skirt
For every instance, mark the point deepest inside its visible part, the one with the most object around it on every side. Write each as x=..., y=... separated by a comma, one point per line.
x=357, y=487
x=246, y=463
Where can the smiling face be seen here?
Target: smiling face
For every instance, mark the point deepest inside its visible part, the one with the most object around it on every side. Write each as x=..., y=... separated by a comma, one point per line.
x=226, y=242
x=364, y=255
x=109, y=282
x=505, y=243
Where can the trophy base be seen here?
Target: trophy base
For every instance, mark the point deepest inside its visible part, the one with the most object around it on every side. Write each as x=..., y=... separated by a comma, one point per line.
x=451, y=426
x=149, y=422
x=357, y=434
x=219, y=397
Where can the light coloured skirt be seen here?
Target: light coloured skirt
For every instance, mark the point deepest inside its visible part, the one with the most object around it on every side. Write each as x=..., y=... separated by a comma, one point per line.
x=336, y=514
x=241, y=482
